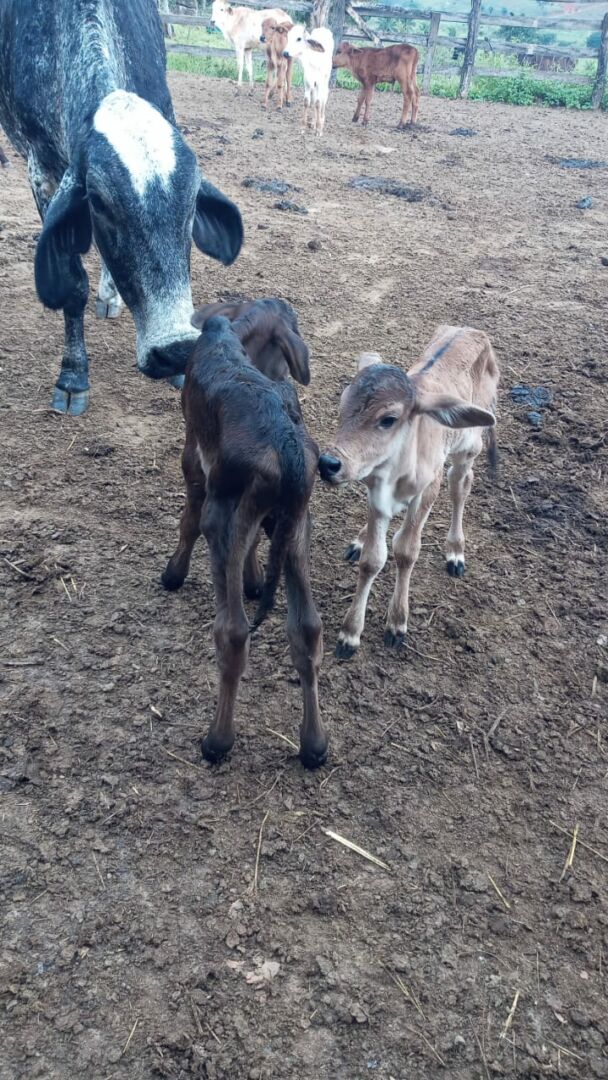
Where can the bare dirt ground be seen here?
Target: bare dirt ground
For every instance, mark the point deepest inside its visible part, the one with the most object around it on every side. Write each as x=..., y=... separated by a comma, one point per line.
x=133, y=944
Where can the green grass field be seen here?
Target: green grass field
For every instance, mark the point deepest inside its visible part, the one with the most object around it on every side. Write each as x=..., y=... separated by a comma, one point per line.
x=518, y=87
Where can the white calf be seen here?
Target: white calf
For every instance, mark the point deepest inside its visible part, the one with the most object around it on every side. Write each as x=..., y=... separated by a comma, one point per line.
x=314, y=51
x=242, y=27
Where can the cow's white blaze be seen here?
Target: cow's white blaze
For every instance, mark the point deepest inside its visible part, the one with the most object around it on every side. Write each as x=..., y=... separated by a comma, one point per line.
x=141, y=137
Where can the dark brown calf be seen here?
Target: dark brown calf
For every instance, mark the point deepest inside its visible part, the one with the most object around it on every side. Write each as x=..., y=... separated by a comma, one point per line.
x=249, y=463
x=278, y=67
x=396, y=63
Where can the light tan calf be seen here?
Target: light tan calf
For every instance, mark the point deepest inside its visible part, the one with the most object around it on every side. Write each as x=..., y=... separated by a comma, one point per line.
x=278, y=67
x=242, y=27
x=396, y=431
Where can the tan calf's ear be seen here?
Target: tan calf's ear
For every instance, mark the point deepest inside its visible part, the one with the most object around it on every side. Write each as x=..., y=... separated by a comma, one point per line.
x=451, y=411
x=366, y=359
x=315, y=45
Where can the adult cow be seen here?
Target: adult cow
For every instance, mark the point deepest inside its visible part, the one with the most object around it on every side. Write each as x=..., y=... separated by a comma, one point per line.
x=83, y=96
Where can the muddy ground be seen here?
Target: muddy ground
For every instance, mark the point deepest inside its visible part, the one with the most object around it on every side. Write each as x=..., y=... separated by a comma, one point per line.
x=133, y=944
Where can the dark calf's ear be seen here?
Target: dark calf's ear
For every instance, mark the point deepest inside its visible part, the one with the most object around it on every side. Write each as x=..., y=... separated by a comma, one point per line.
x=66, y=233
x=218, y=227
x=295, y=352
x=452, y=412
x=315, y=45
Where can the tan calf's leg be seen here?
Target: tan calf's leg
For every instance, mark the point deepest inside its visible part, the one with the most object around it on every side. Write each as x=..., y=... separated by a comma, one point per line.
x=353, y=551
x=460, y=482
x=406, y=548
x=373, y=558
x=407, y=102
x=415, y=100
x=369, y=93
x=360, y=101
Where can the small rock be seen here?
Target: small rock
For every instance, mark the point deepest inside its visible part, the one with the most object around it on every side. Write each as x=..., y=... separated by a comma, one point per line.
x=287, y=204
x=465, y=133
x=580, y=1018
x=258, y=133
x=604, y=260
x=474, y=881
x=534, y=418
x=585, y=203
x=314, y=245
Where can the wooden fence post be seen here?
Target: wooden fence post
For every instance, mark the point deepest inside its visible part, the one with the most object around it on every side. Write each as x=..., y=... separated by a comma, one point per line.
x=470, y=49
x=363, y=27
x=602, y=64
x=331, y=13
x=163, y=7
x=430, y=50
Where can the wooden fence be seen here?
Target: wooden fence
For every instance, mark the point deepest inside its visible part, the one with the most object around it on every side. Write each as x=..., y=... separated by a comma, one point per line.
x=354, y=27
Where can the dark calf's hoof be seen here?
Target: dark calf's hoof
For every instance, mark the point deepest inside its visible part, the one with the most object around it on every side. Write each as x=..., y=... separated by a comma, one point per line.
x=352, y=553
x=214, y=752
x=394, y=641
x=455, y=567
x=313, y=757
x=70, y=402
x=344, y=651
x=170, y=580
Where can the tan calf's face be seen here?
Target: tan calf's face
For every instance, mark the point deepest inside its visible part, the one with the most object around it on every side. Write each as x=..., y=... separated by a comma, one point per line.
x=375, y=411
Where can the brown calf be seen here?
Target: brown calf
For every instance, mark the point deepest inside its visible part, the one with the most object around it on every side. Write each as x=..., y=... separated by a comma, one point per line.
x=278, y=67
x=396, y=63
x=249, y=463
x=396, y=431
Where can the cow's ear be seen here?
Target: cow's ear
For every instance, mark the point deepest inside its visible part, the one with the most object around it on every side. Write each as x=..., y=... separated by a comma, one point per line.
x=296, y=353
x=451, y=411
x=218, y=227
x=66, y=234
x=315, y=45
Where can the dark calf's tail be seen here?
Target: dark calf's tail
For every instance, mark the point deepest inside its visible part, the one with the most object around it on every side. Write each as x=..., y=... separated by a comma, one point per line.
x=293, y=499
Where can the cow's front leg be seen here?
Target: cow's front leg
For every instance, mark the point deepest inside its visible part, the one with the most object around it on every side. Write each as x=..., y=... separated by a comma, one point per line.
x=249, y=62
x=460, y=482
x=109, y=302
x=406, y=548
x=71, y=394
x=373, y=558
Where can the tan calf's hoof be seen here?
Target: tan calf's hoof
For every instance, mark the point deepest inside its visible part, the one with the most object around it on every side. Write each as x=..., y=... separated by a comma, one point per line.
x=394, y=640
x=344, y=651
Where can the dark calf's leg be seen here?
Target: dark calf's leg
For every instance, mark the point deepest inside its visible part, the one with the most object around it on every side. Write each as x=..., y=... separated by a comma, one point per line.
x=305, y=635
x=176, y=570
x=231, y=627
x=72, y=387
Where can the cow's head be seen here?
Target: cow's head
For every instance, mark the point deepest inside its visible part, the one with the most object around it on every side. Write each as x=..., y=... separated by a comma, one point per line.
x=221, y=13
x=298, y=41
x=137, y=191
x=375, y=412
x=343, y=55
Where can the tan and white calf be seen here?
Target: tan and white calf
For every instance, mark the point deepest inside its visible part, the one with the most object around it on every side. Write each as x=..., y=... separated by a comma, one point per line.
x=396, y=431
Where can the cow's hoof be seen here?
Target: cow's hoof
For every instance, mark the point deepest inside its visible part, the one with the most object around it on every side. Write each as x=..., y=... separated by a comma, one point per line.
x=312, y=757
x=214, y=752
x=352, y=553
x=288, y=104
x=109, y=310
x=344, y=651
x=177, y=381
x=70, y=402
x=394, y=640
x=170, y=580
x=455, y=567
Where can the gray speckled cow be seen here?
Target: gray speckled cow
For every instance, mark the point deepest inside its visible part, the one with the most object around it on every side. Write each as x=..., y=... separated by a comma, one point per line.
x=83, y=97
